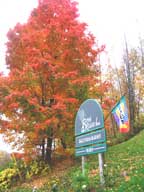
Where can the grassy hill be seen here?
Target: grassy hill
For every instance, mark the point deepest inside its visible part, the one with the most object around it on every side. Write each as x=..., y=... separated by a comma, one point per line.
x=124, y=171
x=125, y=165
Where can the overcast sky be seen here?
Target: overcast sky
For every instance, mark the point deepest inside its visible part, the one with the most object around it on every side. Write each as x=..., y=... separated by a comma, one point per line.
x=107, y=19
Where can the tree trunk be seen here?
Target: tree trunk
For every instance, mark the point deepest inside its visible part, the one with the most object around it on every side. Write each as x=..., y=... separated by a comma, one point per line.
x=63, y=143
x=43, y=149
x=48, y=156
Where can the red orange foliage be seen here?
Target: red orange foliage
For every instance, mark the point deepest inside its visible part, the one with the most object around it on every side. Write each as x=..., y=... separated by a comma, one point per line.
x=50, y=59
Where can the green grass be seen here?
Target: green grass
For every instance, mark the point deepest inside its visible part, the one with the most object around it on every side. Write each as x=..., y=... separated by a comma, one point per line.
x=125, y=165
x=124, y=171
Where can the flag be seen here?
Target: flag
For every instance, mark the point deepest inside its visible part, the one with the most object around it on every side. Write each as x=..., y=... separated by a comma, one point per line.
x=120, y=113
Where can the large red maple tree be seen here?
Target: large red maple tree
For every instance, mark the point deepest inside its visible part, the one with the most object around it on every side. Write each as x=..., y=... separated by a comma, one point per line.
x=50, y=59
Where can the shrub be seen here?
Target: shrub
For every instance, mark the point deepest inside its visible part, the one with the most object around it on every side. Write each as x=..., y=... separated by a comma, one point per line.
x=19, y=170
x=7, y=177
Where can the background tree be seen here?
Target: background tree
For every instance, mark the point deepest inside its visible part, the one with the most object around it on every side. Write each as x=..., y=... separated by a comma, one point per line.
x=133, y=59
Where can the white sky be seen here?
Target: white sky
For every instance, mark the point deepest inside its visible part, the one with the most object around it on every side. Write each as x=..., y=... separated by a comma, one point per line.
x=107, y=19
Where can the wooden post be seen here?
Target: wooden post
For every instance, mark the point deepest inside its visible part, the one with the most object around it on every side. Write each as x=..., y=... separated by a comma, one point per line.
x=100, y=158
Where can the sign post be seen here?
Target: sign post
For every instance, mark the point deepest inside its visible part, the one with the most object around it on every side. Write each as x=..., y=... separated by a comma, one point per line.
x=83, y=165
x=90, y=135
x=100, y=158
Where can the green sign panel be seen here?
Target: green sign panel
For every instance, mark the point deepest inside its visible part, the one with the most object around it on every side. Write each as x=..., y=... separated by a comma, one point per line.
x=90, y=135
x=93, y=149
x=91, y=138
x=89, y=117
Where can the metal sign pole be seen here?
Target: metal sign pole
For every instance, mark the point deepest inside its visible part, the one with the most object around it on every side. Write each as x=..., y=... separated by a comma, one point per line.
x=83, y=165
x=100, y=158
